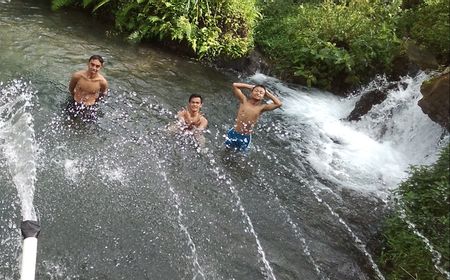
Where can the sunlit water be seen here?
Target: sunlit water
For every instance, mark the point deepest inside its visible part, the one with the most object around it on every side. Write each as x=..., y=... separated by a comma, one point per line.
x=124, y=199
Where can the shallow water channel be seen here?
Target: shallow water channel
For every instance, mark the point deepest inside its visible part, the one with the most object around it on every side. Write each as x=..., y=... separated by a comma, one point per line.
x=124, y=199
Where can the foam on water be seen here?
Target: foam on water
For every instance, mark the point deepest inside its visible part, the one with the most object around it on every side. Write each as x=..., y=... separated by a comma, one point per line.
x=372, y=154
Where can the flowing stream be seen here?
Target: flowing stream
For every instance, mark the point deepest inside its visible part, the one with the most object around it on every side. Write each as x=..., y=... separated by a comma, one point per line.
x=124, y=199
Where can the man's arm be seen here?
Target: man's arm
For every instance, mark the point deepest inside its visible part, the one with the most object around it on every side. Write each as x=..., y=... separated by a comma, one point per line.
x=272, y=106
x=238, y=93
x=73, y=82
x=203, y=123
x=181, y=115
x=103, y=88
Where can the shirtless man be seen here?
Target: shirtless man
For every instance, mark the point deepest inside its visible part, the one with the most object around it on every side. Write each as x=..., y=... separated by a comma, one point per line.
x=250, y=108
x=87, y=87
x=191, y=120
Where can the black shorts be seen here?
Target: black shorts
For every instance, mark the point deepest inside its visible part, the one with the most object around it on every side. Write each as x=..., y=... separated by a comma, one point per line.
x=84, y=112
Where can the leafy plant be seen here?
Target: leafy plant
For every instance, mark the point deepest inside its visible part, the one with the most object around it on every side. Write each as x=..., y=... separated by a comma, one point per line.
x=58, y=4
x=323, y=43
x=425, y=199
x=428, y=24
x=211, y=28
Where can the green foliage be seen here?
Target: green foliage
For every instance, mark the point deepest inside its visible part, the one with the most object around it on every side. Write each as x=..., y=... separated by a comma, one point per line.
x=405, y=256
x=425, y=199
x=211, y=28
x=323, y=43
x=428, y=24
x=58, y=4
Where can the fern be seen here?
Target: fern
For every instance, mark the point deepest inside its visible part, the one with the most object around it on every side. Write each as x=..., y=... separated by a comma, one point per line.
x=58, y=4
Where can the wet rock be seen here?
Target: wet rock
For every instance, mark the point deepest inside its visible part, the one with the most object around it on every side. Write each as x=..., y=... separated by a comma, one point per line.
x=402, y=66
x=366, y=103
x=435, y=101
x=371, y=98
x=420, y=56
x=249, y=65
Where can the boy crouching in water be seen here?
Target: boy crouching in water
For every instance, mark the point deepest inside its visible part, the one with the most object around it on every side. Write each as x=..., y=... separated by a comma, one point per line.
x=191, y=120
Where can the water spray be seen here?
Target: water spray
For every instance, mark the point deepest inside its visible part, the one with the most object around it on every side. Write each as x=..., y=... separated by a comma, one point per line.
x=30, y=232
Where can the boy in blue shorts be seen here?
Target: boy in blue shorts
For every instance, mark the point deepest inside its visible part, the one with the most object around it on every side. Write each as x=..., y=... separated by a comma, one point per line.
x=250, y=108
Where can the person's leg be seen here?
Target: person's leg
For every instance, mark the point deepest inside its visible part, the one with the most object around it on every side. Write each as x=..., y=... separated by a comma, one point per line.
x=244, y=143
x=230, y=141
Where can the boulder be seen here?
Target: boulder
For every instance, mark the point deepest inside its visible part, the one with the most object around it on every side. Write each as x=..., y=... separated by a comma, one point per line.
x=435, y=101
x=248, y=65
x=371, y=98
x=366, y=102
x=420, y=56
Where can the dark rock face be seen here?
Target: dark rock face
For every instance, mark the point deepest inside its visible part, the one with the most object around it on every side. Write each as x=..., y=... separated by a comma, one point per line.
x=249, y=65
x=371, y=98
x=420, y=56
x=435, y=101
x=366, y=102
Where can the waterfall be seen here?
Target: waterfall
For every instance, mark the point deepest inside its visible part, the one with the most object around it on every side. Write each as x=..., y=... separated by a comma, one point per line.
x=372, y=154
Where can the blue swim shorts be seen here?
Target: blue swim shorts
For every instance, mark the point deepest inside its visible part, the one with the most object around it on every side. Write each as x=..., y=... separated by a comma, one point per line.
x=237, y=141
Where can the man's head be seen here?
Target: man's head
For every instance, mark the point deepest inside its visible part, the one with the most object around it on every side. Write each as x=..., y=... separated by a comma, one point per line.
x=195, y=102
x=95, y=63
x=258, y=92
x=97, y=57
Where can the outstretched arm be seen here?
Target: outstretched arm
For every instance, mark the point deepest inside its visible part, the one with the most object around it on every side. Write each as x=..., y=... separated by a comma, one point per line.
x=238, y=93
x=276, y=103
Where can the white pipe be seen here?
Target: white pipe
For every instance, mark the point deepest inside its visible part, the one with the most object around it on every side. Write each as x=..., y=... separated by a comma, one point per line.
x=30, y=232
x=29, y=252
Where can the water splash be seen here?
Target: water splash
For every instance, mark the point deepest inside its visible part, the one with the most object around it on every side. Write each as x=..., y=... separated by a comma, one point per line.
x=371, y=155
x=357, y=241
x=399, y=122
x=300, y=236
x=197, y=269
x=436, y=256
x=220, y=175
x=17, y=134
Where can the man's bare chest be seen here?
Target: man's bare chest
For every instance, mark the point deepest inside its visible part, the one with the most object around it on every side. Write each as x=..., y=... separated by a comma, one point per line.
x=250, y=111
x=88, y=86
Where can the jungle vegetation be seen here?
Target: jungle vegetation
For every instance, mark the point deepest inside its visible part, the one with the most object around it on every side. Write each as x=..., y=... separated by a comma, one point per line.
x=321, y=43
x=421, y=208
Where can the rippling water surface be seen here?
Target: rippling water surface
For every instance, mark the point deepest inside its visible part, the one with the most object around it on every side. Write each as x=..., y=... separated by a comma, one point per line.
x=124, y=199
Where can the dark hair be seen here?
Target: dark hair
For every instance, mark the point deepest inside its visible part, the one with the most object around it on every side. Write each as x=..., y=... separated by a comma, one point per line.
x=96, y=57
x=194, y=95
x=261, y=86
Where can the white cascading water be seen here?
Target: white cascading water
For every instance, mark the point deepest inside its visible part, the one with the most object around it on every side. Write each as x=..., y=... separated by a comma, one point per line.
x=17, y=141
x=372, y=154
